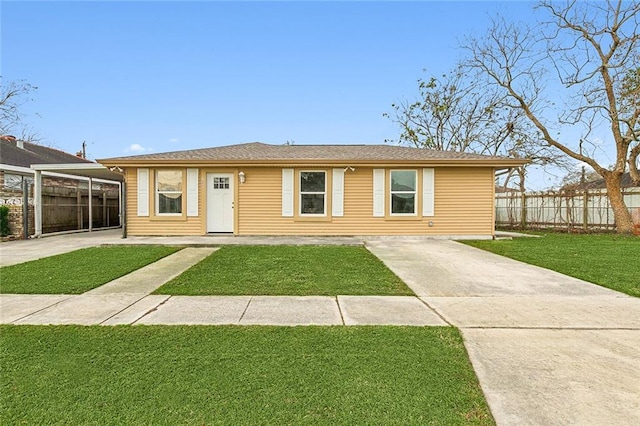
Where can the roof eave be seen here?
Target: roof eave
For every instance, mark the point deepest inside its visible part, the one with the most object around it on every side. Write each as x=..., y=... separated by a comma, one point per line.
x=498, y=163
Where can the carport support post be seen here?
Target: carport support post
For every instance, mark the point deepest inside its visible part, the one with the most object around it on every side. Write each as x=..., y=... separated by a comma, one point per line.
x=37, y=198
x=25, y=208
x=90, y=204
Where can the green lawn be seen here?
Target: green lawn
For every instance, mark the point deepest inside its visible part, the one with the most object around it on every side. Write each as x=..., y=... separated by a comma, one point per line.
x=288, y=270
x=608, y=260
x=78, y=271
x=237, y=375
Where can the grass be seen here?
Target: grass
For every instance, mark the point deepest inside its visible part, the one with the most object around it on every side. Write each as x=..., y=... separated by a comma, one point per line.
x=611, y=261
x=78, y=271
x=237, y=375
x=288, y=270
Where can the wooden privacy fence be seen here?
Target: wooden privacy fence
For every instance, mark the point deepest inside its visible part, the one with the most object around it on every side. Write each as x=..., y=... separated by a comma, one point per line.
x=584, y=209
x=66, y=209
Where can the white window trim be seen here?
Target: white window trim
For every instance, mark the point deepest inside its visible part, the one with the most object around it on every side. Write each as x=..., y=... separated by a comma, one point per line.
x=192, y=192
x=300, y=193
x=157, y=193
x=414, y=192
x=428, y=192
x=143, y=192
x=337, y=193
x=378, y=192
x=287, y=192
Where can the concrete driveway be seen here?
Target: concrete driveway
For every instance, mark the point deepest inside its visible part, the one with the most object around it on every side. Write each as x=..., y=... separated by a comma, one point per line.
x=548, y=349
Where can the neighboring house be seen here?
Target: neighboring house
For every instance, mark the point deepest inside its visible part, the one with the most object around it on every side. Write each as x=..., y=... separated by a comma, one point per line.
x=15, y=152
x=64, y=197
x=625, y=182
x=260, y=189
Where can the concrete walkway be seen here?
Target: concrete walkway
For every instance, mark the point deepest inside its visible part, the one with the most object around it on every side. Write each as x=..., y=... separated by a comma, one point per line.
x=548, y=349
x=131, y=308
x=127, y=300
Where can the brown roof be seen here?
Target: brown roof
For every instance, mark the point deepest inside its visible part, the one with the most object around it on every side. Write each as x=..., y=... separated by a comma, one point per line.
x=257, y=151
x=625, y=182
x=31, y=153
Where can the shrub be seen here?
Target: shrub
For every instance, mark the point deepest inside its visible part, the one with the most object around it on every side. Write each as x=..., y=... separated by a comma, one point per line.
x=4, y=221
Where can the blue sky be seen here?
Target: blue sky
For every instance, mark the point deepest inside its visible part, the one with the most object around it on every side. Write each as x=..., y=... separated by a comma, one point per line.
x=134, y=77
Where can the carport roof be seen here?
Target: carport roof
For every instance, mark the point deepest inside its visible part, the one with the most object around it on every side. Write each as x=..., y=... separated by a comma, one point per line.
x=92, y=170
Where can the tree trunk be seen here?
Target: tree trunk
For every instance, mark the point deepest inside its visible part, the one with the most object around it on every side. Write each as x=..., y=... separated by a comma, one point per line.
x=621, y=214
x=521, y=175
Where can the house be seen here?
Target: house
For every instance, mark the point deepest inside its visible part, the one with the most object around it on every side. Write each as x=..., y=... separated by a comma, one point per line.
x=261, y=189
x=625, y=182
x=63, y=202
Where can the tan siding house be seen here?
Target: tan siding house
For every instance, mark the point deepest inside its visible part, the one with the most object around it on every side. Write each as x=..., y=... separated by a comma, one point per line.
x=260, y=189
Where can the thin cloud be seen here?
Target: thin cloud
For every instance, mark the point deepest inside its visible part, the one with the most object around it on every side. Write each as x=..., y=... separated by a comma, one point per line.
x=137, y=148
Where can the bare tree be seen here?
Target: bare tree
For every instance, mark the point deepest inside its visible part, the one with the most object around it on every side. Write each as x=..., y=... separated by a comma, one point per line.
x=13, y=95
x=456, y=112
x=575, y=77
x=577, y=178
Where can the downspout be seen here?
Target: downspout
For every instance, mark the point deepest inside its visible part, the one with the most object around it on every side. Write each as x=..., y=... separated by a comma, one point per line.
x=493, y=210
x=123, y=208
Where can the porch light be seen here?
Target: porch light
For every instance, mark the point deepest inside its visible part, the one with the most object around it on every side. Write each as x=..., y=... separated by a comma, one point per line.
x=241, y=177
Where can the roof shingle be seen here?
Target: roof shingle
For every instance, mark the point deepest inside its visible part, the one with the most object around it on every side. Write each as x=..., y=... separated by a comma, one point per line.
x=33, y=154
x=257, y=151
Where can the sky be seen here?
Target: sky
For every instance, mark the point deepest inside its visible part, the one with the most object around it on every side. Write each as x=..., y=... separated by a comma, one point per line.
x=155, y=76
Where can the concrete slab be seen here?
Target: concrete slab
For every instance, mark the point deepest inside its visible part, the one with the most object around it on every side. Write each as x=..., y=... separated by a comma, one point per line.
x=82, y=310
x=392, y=310
x=189, y=310
x=449, y=268
x=292, y=310
x=19, y=251
x=539, y=312
x=511, y=234
x=216, y=240
x=16, y=306
x=136, y=311
x=558, y=377
x=149, y=278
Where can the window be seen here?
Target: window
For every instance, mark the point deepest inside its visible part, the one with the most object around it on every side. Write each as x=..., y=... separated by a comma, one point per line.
x=403, y=192
x=313, y=188
x=14, y=182
x=169, y=192
x=220, y=183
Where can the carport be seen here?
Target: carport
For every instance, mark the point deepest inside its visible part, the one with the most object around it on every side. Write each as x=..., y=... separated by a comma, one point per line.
x=92, y=172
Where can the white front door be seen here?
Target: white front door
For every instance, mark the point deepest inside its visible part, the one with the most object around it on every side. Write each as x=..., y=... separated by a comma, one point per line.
x=219, y=202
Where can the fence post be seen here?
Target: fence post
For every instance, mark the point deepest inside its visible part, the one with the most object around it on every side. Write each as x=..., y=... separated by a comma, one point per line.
x=523, y=211
x=105, y=219
x=585, y=210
